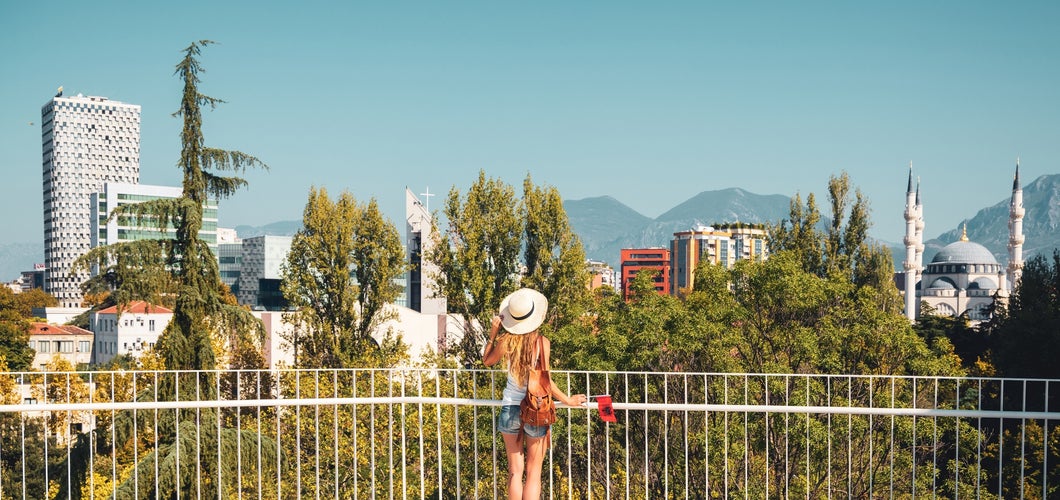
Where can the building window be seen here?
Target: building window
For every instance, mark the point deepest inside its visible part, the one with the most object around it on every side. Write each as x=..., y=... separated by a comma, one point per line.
x=84, y=346
x=151, y=325
x=43, y=346
x=66, y=346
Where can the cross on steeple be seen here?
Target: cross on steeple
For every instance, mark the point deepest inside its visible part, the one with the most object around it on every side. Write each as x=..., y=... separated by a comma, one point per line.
x=427, y=199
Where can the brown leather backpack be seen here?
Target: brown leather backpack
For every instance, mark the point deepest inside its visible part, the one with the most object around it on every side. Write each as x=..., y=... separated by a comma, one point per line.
x=537, y=407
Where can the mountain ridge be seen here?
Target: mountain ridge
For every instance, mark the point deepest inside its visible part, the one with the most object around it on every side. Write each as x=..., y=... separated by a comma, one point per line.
x=606, y=225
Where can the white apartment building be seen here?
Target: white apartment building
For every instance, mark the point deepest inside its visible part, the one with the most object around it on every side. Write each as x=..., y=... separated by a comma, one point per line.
x=86, y=142
x=116, y=194
x=132, y=331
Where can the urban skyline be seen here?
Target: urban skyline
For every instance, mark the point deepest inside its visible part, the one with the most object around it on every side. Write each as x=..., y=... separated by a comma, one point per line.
x=373, y=99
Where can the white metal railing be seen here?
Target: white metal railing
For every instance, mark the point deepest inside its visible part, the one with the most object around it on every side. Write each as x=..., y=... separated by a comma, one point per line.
x=412, y=433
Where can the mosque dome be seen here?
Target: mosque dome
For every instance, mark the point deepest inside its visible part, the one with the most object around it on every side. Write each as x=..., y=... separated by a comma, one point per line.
x=964, y=252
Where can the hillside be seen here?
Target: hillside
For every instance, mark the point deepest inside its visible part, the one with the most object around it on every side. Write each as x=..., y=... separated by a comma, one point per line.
x=989, y=226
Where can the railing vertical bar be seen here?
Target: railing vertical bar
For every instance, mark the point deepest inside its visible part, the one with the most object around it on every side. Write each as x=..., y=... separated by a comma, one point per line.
x=787, y=438
x=92, y=446
x=474, y=431
x=625, y=394
x=957, y=439
x=22, y=435
x=372, y=471
x=419, y=414
x=69, y=435
x=979, y=438
x=645, y=448
x=706, y=437
x=765, y=391
x=872, y=436
x=684, y=378
x=828, y=432
x=278, y=381
x=1045, y=444
x=666, y=437
x=47, y=479
x=113, y=439
x=356, y=440
x=157, y=474
x=746, y=441
x=1001, y=442
x=456, y=431
x=890, y=450
x=390, y=435
x=1023, y=439
x=335, y=438
x=588, y=438
x=494, y=433
x=316, y=435
x=260, y=464
x=935, y=439
x=404, y=445
x=850, y=439
x=607, y=436
x=725, y=435
x=438, y=433
x=808, y=443
x=217, y=414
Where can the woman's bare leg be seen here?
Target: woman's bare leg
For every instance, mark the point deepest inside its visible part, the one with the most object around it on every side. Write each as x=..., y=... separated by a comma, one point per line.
x=513, y=445
x=535, y=457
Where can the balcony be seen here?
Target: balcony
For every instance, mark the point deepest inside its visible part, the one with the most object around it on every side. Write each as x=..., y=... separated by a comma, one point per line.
x=424, y=433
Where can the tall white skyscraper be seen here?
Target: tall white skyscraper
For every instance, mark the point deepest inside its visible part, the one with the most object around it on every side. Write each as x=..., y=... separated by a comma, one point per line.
x=86, y=142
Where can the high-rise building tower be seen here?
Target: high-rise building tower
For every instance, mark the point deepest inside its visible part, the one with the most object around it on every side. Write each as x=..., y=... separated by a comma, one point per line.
x=86, y=142
x=1015, y=231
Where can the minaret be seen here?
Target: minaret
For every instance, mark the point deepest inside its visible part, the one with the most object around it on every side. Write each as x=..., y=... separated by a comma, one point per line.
x=910, y=265
x=1015, y=231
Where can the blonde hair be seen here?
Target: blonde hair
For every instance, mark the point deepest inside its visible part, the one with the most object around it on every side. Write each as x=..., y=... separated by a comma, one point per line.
x=520, y=351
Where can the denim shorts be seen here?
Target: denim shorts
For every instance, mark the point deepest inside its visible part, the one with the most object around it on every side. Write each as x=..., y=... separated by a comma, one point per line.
x=508, y=422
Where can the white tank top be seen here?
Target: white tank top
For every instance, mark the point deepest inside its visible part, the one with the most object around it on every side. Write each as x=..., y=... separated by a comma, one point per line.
x=513, y=393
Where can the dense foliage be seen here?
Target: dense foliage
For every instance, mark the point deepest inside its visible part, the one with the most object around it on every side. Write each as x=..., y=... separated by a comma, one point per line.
x=339, y=276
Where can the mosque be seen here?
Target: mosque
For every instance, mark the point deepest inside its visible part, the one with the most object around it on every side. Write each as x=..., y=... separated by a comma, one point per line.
x=963, y=277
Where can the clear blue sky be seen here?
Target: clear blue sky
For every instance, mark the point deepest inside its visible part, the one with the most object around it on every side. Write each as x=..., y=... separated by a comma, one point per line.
x=649, y=102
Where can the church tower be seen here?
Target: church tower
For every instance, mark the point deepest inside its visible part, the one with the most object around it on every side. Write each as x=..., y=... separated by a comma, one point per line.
x=1015, y=231
x=914, y=230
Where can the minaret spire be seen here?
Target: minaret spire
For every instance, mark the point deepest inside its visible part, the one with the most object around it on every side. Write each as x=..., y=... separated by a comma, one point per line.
x=1015, y=231
x=913, y=225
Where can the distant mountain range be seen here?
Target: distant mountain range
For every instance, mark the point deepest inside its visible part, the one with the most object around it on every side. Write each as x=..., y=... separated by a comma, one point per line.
x=605, y=225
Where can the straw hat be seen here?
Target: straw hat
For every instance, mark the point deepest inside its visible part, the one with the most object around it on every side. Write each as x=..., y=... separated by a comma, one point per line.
x=523, y=311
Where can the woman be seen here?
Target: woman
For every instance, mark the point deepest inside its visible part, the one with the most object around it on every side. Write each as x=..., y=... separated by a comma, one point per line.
x=521, y=314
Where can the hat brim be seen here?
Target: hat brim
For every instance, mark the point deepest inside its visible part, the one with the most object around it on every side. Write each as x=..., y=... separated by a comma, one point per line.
x=529, y=323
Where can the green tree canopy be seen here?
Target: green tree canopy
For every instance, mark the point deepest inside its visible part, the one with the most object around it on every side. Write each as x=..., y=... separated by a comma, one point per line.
x=496, y=243
x=182, y=271
x=340, y=275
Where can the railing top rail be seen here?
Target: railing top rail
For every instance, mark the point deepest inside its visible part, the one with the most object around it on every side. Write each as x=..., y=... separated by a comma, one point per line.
x=274, y=371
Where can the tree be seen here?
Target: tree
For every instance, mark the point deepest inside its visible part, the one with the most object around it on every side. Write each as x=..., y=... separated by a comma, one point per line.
x=14, y=332
x=1025, y=336
x=340, y=275
x=552, y=254
x=182, y=269
x=478, y=257
x=844, y=249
